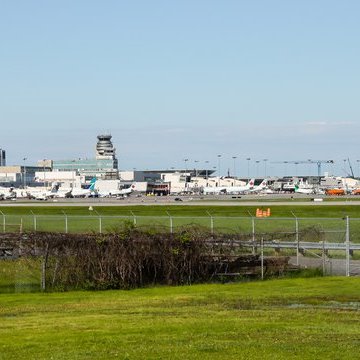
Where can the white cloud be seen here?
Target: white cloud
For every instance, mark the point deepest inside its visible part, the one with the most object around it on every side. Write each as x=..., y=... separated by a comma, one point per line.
x=316, y=123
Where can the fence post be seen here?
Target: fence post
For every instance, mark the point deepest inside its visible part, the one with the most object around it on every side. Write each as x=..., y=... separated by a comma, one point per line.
x=171, y=222
x=297, y=238
x=35, y=224
x=43, y=275
x=134, y=217
x=43, y=268
x=211, y=223
x=347, y=240
x=323, y=258
x=4, y=221
x=66, y=222
x=100, y=222
x=262, y=258
x=253, y=235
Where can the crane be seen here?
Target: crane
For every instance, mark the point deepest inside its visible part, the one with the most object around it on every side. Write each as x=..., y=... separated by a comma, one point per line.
x=351, y=169
x=309, y=161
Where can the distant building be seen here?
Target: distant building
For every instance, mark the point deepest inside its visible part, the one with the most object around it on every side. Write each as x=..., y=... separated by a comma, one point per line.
x=2, y=157
x=18, y=176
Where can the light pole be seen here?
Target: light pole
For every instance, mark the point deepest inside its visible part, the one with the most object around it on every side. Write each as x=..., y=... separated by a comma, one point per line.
x=196, y=161
x=285, y=168
x=219, y=158
x=185, y=161
x=257, y=168
x=73, y=165
x=24, y=180
x=44, y=171
x=296, y=168
x=248, y=167
x=265, y=161
x=206, y=170
x=234, y=158
x=309, y=167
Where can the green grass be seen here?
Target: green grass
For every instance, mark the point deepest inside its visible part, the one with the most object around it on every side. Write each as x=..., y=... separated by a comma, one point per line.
x=333, y=210
x=20, y=275
x=314, y=318
x=234, y=219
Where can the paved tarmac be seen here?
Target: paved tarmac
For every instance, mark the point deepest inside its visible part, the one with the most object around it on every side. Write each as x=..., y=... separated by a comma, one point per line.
x=210, y=200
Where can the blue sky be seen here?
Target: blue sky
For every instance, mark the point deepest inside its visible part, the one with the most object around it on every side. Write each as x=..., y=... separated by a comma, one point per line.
x=193, y=79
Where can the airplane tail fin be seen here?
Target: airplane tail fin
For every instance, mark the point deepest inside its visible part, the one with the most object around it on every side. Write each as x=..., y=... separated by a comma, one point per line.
x=92, y=184
x=251, y=183
x=54, y=187
x=263, y=183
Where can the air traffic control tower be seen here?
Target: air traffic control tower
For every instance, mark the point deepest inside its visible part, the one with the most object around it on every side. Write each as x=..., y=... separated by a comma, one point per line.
x=105, y=148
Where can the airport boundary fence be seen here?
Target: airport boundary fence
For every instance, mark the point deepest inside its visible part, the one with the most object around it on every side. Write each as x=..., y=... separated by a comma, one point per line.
x=330, y=244
x=170, y=223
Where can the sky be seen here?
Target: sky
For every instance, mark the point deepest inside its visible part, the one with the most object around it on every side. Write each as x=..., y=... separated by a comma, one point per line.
x=183, y=79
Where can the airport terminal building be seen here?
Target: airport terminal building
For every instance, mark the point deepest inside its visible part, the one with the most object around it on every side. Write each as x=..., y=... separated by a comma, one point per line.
x=103, y=166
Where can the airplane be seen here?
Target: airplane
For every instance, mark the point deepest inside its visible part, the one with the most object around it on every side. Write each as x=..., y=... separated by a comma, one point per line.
x=80, y=192
x=240, y=189
x=116, y=192
x=213, y=190
x=40, y=193
x=8, y=193
x=304, y=190
x=267, y=191
x=58, y=192
x=261, y=187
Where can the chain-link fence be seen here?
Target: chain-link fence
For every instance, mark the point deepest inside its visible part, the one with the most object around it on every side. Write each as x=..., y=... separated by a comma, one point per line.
x=330, y=244
x=330, y=227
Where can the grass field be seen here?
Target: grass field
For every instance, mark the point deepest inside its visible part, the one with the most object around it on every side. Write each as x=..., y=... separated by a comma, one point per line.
x=234, y=219
x=179, y=210
x=315, y=318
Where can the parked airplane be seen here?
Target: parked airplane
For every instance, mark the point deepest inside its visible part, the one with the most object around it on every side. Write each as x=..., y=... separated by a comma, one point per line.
x=38, y=193
x=240, y=189
x=304, y=190
x=213, y=190
x=261, y=187
x=7, y=193
x=116, y=192
x=80, y=192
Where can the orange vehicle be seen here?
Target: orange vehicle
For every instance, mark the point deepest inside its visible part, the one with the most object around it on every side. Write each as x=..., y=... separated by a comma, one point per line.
x=356, y=192
x=335, y=192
